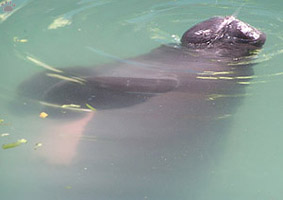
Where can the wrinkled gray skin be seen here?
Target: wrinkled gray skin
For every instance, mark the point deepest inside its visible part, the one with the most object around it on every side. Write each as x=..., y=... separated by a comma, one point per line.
x=162, y=117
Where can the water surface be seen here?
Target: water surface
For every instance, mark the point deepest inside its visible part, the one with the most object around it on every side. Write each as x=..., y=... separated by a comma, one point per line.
x=90, y=33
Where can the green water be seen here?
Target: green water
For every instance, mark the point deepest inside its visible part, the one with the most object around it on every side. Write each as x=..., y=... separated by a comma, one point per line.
x=87, y=33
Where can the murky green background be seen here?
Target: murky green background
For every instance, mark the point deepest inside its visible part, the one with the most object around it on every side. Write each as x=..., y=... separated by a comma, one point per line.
x=62, y=33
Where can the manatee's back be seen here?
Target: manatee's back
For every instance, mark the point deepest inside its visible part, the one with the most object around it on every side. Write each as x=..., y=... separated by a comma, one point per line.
x=133, y=81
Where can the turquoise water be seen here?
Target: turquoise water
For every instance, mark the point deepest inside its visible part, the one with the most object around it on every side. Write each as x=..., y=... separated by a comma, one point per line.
x=87, y=33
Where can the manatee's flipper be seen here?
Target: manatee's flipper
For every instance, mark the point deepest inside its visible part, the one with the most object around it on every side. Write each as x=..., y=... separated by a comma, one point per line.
x=81, y=86
x=107, y=92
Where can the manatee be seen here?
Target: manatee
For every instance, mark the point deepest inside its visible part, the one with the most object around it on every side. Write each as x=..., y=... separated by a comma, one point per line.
x=208, y=61
x=162, y=118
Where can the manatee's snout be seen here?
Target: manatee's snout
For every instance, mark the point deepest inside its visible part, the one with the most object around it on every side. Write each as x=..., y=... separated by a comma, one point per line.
x=241, y=32
x=223, y=31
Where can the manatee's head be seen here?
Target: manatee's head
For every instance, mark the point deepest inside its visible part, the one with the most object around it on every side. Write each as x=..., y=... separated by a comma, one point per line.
x=223, y=32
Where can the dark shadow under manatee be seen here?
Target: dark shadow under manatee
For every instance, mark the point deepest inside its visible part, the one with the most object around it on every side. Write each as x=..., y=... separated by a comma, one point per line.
x=162, y=116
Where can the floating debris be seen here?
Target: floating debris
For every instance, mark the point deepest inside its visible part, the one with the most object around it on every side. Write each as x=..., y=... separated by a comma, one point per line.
x=66, y=107
x=66, y=78
x=37, y=145
x=5, y=134
x=59, y=22
x=215, y=73
x=43, y=115
x=212, y=97
x=224, y=116
x=39, y=63
x=207, y=77
x=90, y=107
x=14, y=144
x=70, y=106
x=16, y=39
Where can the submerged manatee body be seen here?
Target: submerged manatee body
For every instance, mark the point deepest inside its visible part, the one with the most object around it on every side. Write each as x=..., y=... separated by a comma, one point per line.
x=161, y=117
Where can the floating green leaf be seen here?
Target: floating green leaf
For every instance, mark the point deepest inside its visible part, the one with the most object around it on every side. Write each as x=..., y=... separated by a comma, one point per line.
x=14, y=144
x=90, y=107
